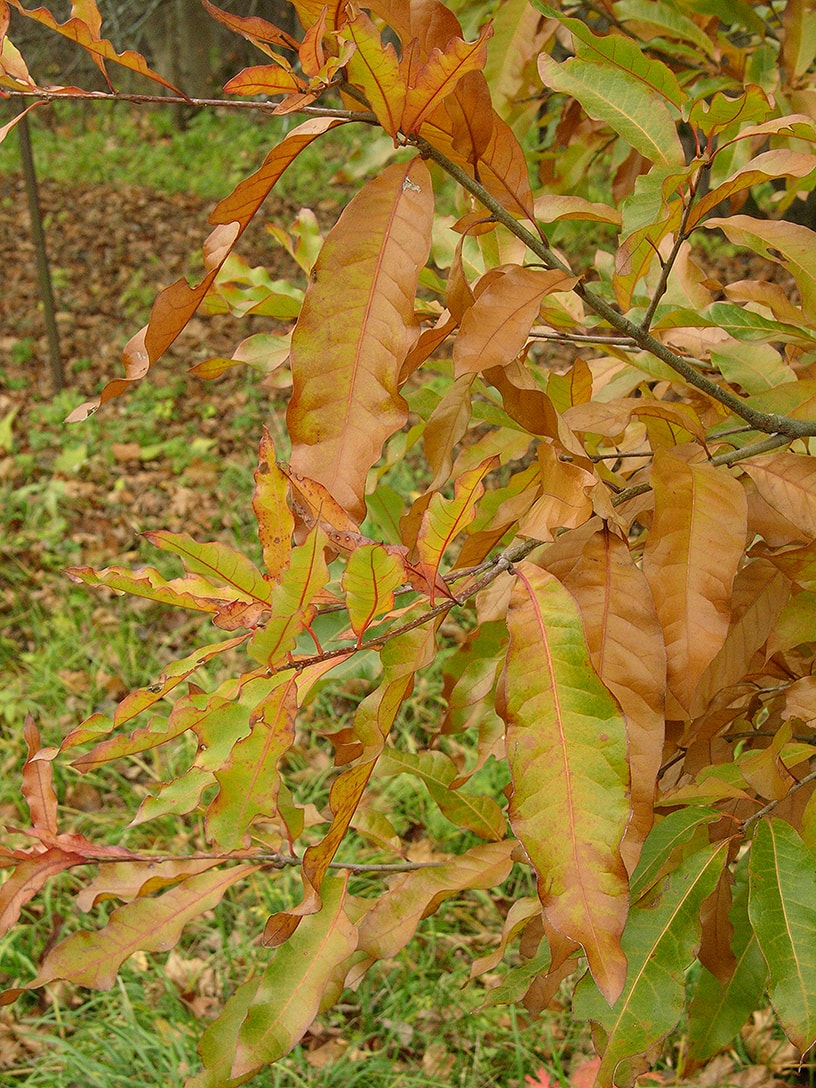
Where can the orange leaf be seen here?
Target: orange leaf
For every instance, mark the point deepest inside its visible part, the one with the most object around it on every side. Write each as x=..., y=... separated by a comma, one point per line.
x=275, y=521
x=252, y=27
x=438, y=77
x=192, y=591
x=393, y=919
x=356, y=327
x=692, y=553
x=311, y=54
x=502, y=164
x=99, y=48
x=495, y=328
x=264, y=79
x=565, y=500
x=566, y=747
x=787, y=482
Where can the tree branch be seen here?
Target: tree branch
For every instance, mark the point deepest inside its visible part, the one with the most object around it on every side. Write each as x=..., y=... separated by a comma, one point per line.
x=769, y=422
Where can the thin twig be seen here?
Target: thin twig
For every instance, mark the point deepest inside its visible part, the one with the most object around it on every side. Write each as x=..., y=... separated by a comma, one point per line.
x=44, y=95
x=668, y=264
x=274, y=859
x=773, y=804
x=773, y=442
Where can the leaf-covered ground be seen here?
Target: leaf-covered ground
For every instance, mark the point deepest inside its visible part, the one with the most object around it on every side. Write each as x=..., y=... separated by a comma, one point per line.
x=109, y=250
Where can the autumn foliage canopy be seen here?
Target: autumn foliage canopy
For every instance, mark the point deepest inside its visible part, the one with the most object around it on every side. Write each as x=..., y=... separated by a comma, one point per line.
x=613, y=547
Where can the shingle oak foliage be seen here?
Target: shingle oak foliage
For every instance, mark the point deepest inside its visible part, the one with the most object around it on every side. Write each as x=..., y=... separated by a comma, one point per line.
x=619, y=519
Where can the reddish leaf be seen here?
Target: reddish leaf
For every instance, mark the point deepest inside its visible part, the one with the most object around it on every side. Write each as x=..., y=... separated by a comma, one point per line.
x=38, y=786
x=27, y=879
x=314, y=505
x=355, y=329
x=6, y=129
x=566, y=747
x=501, y=163
x=176, y=304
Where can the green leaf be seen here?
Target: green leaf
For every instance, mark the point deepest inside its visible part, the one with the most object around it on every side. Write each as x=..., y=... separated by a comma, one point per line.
x=218, y=562
x=625, y=54
x=756, y=367
x=566, y=747
x=717, y=1012
x=218, y=1043
x=782, y=908
x=787, y=244
x=444, y=519
x=291, y=988
x=666, y=19
x=439, y=773
x=372, y=574
x=292, y=600
x=249, y=780
x=149, y=925
x=638, y=114
x=660, y=939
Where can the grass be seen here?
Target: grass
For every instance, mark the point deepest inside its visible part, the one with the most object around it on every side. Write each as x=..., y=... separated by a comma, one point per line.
x=114, y=144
